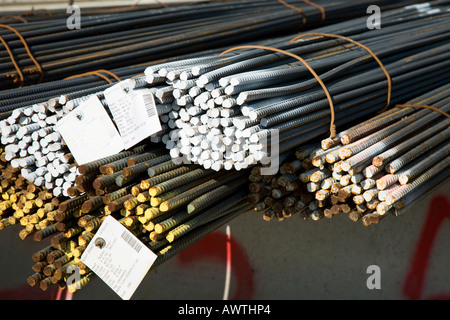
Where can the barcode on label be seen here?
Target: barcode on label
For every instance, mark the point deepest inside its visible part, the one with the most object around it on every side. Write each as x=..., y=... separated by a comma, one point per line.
x=131, y=241
x=150, y=105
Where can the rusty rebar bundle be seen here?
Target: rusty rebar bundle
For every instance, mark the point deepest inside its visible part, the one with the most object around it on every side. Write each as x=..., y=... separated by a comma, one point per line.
x=165, y=206
x=374, y=169
x=231, y=111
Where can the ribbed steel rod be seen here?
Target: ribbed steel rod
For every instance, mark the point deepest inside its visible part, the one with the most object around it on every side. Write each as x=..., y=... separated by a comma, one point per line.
x=219, y=129
x=120, y=36
x=365, y=192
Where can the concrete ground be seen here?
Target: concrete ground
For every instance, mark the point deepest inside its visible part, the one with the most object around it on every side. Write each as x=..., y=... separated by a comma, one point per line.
x=289, y=260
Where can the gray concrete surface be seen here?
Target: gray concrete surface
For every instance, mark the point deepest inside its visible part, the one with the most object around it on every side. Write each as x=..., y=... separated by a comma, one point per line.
x=289, y=260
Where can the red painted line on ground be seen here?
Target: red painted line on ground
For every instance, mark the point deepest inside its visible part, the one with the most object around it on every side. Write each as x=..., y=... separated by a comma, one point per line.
x=414, y=283
x=208, y=248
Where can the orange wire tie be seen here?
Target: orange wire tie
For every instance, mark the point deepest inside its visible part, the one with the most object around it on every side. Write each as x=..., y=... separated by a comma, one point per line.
x=327, y=93
x=14, y=62
x=20, y=18
x=22, y=39
x=97, y=73
x=423, y=106
x=388, y=77
x=32, y=12
x=290, y=6
x=162, y=4
x=138, y=75
x=321, y=9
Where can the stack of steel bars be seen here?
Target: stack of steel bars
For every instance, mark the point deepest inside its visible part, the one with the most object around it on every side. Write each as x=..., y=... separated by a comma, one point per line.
x=79, y=86
x=166, y=205
x=220, y=112
x=231, y=109
x=33, y=144
x=30, y=113
x=377, y=168
x=46, y=49
x=29, y=116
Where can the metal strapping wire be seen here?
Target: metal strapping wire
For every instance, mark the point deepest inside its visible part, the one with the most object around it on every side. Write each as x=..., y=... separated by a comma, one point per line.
x=110, y=73
x=33, y=11
x=327, y=93
x=22, y=39
x=20, y=18
x=290, y=6
x=423, y=106
x=13, y=60
x=388, y=77
x=296, y=9
x=97, y=73
x=322, y=10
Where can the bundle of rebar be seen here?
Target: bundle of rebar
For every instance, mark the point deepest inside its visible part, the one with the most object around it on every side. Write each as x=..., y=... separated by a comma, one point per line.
x=71, y=88
x=166, y=205
x=24, y=204
x=32, y=142
x=227, y=136
x=281, y=195
x=225, y=111
x=46, y=49
x=377, y=168
x=234, y=109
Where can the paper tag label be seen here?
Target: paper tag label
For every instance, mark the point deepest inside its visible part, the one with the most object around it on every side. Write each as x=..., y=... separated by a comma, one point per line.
x=135, y=113
x=118, y=257
x=89, y=132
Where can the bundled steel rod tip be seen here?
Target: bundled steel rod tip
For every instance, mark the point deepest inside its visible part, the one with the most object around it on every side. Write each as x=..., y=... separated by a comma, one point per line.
x=379, y=167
